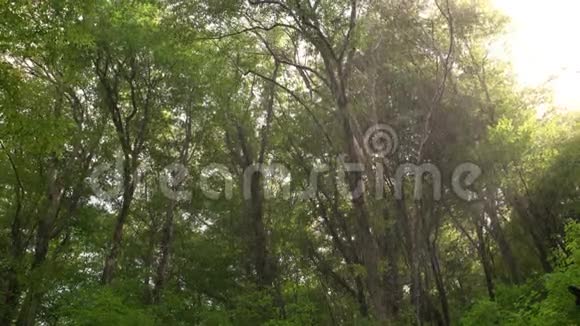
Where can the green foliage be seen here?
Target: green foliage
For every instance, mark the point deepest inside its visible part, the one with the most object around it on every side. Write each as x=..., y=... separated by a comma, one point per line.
x=98, y=306
x=544, y=300
x=135, y=86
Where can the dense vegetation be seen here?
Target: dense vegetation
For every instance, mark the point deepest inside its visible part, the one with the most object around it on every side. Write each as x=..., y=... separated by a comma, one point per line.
x=154, y=156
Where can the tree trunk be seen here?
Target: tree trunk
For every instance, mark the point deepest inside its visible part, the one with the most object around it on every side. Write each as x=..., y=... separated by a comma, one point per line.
x=12, y=290
x=484, y=256
x=111, y=259
x=166, y=241
x=11, y=295
x=148, y=259
x=36, y=289
x=440, y=284
x=392, y=277
x=499, y=237
x=262, y=261
x=361, y=299
x=366, y=241
x=534, y=227
x=35, y=292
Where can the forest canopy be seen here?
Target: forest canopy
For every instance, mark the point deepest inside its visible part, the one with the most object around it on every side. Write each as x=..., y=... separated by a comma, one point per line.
x=279, y=162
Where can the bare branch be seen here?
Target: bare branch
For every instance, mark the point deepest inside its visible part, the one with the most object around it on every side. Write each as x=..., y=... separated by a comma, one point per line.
x=441, y=88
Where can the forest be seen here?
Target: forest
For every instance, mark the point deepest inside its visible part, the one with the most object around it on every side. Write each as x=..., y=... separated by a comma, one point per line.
x=279, y=162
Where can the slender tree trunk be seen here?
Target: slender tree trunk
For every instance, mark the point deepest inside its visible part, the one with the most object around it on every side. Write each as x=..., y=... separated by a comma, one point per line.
x=535, y=229
x=36, y=289
x=361, y=299
x=262, y=261
x=148, y=259
x=132, y=144
x=166, y=240
x=499, y=237
x=391, y=277
x=416, y=284
x=485, y=261
x=542, y=251
x=12, y=290
x=111, y=259
x=11, y=296
x=440, y=284
x=35, y=292
x=368, y=246
x=409, y=232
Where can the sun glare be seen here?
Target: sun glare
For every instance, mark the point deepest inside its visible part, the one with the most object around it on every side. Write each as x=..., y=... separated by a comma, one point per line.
x=544, y=47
